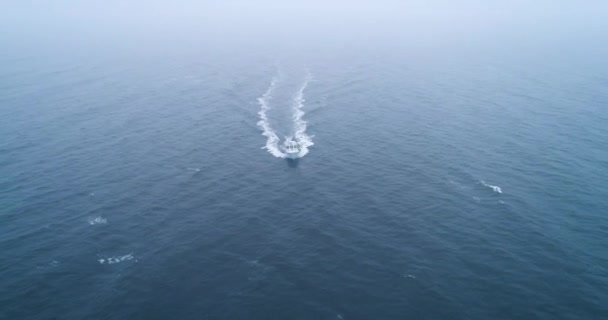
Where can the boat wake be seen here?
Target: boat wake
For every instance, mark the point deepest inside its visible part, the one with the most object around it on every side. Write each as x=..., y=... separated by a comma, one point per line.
x=272, y=140
x=299, y=124
x=298, y=133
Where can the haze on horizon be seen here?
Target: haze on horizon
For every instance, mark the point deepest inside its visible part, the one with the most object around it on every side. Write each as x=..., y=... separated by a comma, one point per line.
x=305, y=23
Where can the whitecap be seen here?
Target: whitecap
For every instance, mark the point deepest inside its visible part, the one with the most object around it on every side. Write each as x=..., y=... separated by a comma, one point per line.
x=116, y=259
x=496, y=189
x=98, y=220
x=52, y=264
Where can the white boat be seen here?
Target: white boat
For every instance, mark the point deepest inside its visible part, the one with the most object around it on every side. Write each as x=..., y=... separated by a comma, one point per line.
x=292, y=149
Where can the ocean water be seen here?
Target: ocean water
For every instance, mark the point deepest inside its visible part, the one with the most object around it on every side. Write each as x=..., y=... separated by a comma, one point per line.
x=433, y=183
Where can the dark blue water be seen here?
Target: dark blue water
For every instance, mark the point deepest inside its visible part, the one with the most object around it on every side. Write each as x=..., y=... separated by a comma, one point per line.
x=439, y=183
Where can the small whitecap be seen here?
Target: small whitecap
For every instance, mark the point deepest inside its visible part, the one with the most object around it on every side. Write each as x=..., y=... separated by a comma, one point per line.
x=116, y=259
x=120, y=259
x=98, y=220
x=496, y=189
x=410, y=276
x=52, y=264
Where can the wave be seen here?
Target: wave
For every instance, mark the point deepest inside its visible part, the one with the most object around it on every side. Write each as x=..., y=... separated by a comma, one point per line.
x=272, y=140
x=49, y=265
x=117, y=259
x=496, y=189
x=98, y=220
x=303, y=139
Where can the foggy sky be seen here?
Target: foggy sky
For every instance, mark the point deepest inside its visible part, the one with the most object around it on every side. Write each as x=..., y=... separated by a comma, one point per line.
x=309, y=22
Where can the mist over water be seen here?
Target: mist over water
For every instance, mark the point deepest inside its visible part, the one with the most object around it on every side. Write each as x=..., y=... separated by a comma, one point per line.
x=452, y=161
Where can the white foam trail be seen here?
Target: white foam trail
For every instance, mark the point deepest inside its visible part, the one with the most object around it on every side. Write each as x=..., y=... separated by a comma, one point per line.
x=272, y=140
x=496, y=189
x=303, y=139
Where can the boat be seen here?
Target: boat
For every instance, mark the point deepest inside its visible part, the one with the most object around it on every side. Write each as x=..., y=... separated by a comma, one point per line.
x=292, y=149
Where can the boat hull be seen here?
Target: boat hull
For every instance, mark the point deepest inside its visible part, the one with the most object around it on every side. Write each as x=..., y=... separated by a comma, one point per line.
x=293, y=155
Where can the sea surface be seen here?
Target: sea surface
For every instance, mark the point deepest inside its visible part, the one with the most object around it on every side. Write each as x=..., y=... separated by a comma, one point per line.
x=148, y=181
